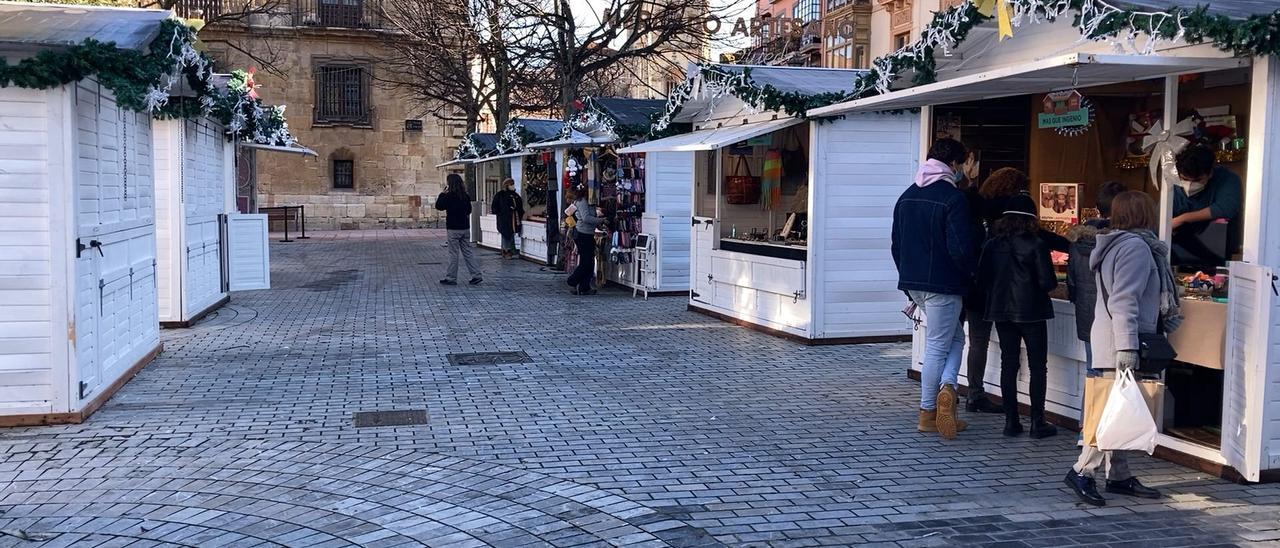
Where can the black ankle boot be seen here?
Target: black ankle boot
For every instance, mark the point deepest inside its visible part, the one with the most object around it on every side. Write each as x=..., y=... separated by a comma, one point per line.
x=1042, y=429
x=1012, y=426
x=979, y=403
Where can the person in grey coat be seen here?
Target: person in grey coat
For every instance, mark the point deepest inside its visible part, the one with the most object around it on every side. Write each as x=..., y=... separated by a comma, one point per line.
x=586, y=219
x=1134, y=283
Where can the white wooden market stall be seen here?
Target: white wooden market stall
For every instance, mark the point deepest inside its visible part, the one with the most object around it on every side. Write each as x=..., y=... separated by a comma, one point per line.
x=535, y=179
x=831, y=278
x=637, y=198
x=78, y=246
x=205, y=248
x=1230, y=349
x=77, y=227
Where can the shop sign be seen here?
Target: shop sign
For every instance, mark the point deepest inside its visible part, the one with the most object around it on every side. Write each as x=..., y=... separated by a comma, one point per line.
x=763, y=140
x=1048, y=120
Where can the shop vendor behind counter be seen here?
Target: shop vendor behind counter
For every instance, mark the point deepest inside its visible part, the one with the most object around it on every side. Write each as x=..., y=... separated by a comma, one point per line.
x=1206, y=209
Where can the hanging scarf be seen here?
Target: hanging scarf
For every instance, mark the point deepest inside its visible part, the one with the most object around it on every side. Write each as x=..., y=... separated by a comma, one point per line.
x=1170, y=307
x=771, y=181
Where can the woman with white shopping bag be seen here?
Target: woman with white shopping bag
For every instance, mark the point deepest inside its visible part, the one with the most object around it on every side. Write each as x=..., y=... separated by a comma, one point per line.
x=1135, y=291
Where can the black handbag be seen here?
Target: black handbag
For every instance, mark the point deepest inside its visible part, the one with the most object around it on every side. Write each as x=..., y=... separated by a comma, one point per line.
x=1155, y=352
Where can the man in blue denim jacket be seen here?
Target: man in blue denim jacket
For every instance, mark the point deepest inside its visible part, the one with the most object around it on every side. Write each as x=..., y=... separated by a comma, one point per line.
x=931, y=247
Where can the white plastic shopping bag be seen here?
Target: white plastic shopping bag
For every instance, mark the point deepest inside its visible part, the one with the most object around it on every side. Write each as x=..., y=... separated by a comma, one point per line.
x=1126, y=423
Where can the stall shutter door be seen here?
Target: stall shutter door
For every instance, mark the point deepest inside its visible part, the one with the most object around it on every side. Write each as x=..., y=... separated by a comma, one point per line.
x=1244, y=374
x=703, y=236
x=249, y=257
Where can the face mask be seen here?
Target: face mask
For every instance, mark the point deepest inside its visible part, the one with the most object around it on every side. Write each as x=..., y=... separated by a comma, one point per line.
x=1191, y=187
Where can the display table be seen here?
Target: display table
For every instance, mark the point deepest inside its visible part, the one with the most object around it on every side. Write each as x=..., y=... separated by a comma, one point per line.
x=1201, y=339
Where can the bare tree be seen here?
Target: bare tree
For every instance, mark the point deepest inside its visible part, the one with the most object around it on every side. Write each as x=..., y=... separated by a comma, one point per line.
x=579, y=45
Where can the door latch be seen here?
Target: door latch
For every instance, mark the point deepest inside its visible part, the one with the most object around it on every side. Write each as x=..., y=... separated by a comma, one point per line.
x=98, y=245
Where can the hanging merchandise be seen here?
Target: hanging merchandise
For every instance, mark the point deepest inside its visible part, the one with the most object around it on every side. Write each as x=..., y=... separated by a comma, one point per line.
x=795, y=164
x=742, y=189
x=771, y=181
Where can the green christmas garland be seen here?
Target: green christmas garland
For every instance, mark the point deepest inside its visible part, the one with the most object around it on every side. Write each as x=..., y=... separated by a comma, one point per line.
x=1255, y=35
x=140, y=80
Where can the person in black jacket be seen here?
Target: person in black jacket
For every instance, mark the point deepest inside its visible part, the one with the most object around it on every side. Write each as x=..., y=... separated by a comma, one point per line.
x=508, y=208
x=986, y=203
x=935, y=261
x=456, y=204
x=1017, y=275
x=1081, y=289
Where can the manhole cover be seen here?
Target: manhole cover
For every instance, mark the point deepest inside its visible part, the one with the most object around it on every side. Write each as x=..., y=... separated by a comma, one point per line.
x=488, y=358
x=366, y=419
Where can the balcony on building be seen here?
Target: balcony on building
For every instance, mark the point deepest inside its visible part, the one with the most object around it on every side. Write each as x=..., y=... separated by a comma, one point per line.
x=339, y=14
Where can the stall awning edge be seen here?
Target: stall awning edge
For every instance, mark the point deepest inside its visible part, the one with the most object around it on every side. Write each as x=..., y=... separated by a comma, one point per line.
x=1074, y=70
x=291, y=149
x=712, y=138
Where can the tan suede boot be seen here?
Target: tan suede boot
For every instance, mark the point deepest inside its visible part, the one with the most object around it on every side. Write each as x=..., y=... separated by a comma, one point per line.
x=946, y=420
x=928, y=421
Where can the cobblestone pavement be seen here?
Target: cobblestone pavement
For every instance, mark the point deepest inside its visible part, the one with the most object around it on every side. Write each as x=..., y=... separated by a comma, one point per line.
x=631, y=422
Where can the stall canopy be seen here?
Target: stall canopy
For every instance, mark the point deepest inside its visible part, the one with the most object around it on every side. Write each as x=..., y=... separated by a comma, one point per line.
x=291, y=149
x=57, y=25
x=575, y=139
x=712, y=138
x=1078, y=70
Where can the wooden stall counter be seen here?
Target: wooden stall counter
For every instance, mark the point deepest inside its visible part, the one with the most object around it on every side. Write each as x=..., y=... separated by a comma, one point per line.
x=1201, y=340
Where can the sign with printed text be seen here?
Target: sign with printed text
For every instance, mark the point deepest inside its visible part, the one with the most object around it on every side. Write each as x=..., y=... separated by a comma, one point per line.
x=1048, y=120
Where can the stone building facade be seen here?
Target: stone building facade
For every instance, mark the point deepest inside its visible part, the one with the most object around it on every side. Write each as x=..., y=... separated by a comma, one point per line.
x=376, y=157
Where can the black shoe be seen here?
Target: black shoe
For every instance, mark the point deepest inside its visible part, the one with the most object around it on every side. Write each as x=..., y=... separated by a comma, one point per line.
x=447, y=281
x=981, y=404
x=1133, y=488
x=1012, y=427
x=1041, y=430
x=1084, y=488
x=476, y=280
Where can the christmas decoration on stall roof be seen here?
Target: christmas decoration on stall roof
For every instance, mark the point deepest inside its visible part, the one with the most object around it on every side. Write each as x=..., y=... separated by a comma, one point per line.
x=142, y=80
x=1097, y=20
x=720, y=82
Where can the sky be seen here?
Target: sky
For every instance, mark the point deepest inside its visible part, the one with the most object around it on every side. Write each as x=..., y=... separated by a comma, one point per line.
x=590, y=11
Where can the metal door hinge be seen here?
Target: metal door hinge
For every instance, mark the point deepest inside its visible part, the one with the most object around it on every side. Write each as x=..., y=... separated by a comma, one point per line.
x=84, y=387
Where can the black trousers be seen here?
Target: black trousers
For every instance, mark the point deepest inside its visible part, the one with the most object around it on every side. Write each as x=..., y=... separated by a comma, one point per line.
x=979, y=341
x=581, y=276
x=1012, y=336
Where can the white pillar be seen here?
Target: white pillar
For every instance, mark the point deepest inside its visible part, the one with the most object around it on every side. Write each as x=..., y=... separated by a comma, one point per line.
x=1166, y=192
x=1263, y=143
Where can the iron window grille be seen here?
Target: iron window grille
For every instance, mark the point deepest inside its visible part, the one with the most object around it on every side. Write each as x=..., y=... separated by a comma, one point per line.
x=344, y=174
x=342, y=95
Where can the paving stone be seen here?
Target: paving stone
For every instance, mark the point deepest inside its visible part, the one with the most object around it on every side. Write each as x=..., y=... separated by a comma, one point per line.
x=632, y=422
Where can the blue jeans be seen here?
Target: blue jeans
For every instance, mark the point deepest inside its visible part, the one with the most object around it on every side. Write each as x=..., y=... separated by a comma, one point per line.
x=944, y=343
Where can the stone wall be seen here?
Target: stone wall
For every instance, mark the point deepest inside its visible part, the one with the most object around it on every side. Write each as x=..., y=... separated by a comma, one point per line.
x=396, y=180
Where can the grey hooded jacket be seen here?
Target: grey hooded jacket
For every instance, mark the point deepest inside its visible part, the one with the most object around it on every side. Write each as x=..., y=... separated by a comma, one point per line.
x=1124, y=267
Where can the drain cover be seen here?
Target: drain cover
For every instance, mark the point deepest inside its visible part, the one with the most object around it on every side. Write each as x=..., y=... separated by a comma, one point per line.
x=366, y=419
x=488, y=358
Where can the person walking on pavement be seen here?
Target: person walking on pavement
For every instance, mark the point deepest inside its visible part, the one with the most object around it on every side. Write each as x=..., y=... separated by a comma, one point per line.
x=1138, y=295
x=586, y=219
x=935, y=261
x=508, y=208
x=1017, y=275
x=456, y=204
x=1081, y=287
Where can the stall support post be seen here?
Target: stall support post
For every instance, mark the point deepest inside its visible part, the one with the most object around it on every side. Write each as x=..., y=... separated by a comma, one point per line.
x=718, y=175
x=1259, y=230
x=1166, y=193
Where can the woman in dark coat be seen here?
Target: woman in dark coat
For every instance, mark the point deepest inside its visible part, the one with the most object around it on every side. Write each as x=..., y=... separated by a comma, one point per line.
x=1016, y=275
x=508, y=207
